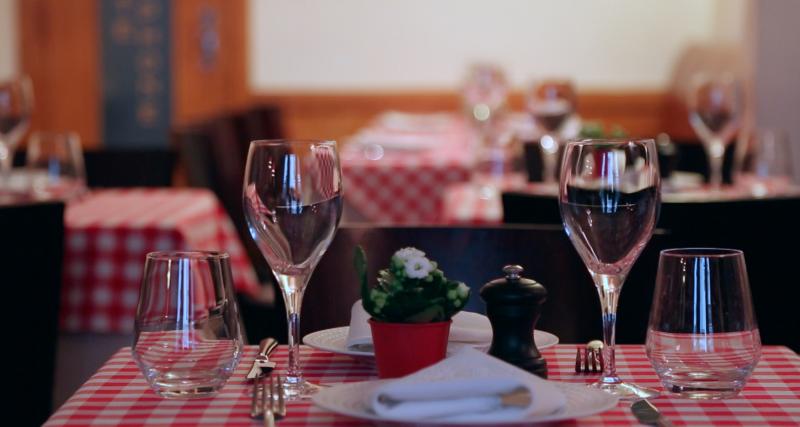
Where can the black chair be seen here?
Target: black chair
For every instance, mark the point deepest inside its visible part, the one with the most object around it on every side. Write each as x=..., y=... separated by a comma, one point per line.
x=31, y=262
x=476, y=256
x=765, y=229
x=129, y=167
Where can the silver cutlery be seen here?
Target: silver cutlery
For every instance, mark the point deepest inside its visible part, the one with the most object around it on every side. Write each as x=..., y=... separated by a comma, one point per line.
x=262, y=364
x=269, y=401
x=647, y=413
x=590, y=358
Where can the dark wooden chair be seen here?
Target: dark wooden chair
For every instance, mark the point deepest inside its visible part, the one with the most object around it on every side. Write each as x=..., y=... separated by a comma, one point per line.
x=31, y=261
x=129, y=167
x=212, y=155
x=765, y=229
x=476, y=256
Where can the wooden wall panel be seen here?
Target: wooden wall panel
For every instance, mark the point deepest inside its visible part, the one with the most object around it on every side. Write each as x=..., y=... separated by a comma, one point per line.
x=205, y=84
x=59, y=45
x=339, y=114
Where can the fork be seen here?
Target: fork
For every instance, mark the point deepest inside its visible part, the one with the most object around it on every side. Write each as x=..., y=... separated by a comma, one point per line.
x=268, y=401
x=592, y=360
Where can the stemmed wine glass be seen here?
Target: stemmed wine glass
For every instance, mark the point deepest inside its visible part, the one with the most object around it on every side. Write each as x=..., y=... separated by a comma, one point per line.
x=715, y=109
x=484, y=95
x=293, y=203
x=551, y=103
x=609, y=199
x=16, y=106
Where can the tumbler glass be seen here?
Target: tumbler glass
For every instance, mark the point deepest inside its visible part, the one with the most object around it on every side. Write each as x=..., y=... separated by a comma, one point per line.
x=703, y=338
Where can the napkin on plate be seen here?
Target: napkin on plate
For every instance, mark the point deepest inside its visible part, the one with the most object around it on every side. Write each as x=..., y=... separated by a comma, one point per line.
x=467, y=327
x=465, y=386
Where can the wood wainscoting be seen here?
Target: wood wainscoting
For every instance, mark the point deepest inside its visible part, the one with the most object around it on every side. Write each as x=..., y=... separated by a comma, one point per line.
x=337, y=115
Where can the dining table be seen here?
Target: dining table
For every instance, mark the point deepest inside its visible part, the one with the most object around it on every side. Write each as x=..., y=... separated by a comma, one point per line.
x=117, y=393
x=108, y=234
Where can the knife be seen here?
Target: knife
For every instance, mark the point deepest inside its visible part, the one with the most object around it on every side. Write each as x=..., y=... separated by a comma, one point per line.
x=648, y=414
x=262, y=364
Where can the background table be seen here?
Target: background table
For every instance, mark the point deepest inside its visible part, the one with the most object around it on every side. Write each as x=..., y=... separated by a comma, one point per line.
x=118, y=394
x=108, y=234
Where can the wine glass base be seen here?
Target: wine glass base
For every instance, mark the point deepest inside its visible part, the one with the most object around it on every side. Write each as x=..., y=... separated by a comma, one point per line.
x=299, y=391
x=625, y=391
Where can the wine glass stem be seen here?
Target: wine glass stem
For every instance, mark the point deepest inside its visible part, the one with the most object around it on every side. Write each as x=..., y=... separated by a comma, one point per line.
x=716, y=155
x=608, y=287
x=293, y=288
x=6, y=158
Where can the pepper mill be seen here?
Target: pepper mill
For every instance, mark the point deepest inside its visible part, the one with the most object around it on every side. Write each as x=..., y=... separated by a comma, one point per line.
x=513, y=305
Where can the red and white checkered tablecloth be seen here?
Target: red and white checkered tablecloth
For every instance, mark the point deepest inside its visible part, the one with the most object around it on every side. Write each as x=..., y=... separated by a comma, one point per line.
x=108, y=234
x=118, y=395
x=398, y=186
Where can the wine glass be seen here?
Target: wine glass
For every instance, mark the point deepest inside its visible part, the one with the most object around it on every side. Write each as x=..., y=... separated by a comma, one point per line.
x=715, y=109
x=188, y=334
x=293, y=203
x=16, y=106
x=551, y=103
x=484, y=95
x=55, y=163
x=609, y=199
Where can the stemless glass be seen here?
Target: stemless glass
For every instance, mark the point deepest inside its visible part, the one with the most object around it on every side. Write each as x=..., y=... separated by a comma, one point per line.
x=715, y=109
x=703, y=338
x=16, y=106
x=188, y=337
x=551, y=103
x=293, y=202
x=55, y=164
x=609, y=199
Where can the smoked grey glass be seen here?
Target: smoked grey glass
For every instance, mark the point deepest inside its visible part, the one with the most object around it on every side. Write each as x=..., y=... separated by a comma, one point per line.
x=703, y=338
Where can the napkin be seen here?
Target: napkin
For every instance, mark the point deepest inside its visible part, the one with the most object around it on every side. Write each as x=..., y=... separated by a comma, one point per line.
x=467, y=327
x=465, y=387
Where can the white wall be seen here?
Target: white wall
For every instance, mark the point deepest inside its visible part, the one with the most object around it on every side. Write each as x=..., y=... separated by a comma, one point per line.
x=366, y=44
x=9, y=61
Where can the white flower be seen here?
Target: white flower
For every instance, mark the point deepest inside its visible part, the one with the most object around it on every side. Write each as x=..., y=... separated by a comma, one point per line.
x=418, y=267
x=462, y=290
x=406, y=254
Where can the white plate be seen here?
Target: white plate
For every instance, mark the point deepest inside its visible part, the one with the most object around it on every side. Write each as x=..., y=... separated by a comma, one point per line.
x=335, y=341
x=352, y=399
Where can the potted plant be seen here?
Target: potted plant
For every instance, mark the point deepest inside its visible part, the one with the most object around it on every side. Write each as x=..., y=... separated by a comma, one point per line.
x=411, y=306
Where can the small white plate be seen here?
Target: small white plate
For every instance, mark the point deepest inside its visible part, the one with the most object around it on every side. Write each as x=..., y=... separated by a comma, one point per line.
x=352, y=399
x=335, y=341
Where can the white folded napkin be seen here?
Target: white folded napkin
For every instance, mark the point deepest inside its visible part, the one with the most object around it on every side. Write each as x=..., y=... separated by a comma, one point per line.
x=467, y=327
x=465, y=386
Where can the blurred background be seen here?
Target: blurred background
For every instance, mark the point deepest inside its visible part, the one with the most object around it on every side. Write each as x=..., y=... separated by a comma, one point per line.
x=122, y=73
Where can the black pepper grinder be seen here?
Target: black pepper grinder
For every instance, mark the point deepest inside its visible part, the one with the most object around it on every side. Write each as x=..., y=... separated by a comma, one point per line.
x=513, y=305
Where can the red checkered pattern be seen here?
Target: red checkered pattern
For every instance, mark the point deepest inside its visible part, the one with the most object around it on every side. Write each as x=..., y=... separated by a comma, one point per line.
x=118, y=395
x=108, y=234
x=406, y=187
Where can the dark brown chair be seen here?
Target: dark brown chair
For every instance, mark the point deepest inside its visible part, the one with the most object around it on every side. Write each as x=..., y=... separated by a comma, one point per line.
x=31, y=261
x=477, y=255
x=765, y=229
x=129, y=167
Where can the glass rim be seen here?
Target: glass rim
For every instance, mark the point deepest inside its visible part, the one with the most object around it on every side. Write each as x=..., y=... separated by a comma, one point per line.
x=701, y=252
x=284, y=141
x=188, y=255
x=609, y=141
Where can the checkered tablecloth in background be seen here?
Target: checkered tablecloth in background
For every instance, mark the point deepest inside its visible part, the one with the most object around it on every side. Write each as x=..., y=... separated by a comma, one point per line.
x=390, y=185
x=108, y=234
x=118, y=395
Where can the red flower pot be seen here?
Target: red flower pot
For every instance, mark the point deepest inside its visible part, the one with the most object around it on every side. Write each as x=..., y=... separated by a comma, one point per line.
x=403, y=348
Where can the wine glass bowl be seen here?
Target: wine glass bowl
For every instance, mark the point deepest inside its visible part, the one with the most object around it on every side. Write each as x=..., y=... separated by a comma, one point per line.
x=551, y=103
x=609, y=198
x=293, y=202
x=484, y=93
x=16, y=107
x=715, y=109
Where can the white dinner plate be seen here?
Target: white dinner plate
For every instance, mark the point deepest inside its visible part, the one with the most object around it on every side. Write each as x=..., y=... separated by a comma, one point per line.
x=352, y=399
x=335, y=341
